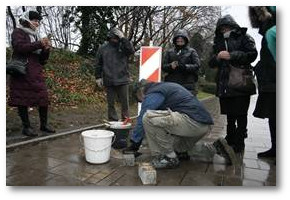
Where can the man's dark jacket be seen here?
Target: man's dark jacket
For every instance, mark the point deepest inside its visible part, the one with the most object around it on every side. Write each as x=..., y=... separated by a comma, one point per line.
x=112, y=62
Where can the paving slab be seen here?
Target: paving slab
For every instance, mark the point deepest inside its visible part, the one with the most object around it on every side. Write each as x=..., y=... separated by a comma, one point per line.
x=60, y=161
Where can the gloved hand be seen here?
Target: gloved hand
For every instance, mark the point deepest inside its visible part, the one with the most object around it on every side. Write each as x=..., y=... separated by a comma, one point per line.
x=174, y=64
x=46, y=43
x=182, y=67
x=99, y=82
x=118, y=33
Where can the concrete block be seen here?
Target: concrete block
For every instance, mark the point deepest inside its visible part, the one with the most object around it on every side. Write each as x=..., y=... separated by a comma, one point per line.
x=129, y=159
x=147, y=174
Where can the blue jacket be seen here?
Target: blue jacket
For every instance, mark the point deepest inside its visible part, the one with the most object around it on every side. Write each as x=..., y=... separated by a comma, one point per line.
x=161, y=96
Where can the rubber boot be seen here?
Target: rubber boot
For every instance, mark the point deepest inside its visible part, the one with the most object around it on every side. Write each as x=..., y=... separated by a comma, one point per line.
x=43, y=120
x=27, y=129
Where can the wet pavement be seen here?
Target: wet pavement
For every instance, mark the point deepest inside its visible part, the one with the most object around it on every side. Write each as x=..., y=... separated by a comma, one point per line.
x=61, y=162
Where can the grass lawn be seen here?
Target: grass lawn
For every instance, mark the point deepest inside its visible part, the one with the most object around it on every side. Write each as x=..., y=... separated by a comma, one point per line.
x=203, y=95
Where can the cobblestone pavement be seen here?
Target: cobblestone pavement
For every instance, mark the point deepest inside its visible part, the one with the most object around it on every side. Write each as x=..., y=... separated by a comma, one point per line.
x=61, y=162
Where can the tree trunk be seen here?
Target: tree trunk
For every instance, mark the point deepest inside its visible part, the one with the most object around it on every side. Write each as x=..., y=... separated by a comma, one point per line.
x=11, y=16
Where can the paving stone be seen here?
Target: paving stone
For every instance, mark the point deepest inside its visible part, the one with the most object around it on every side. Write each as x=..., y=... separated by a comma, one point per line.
x=270, y=183
x=251, y=163
x=252, y=183
x=258, y=175
x=25, y=165
x=57, y=180
x=109, y=180
x=232, y=181
x=61, y=162
x=168, y=177
x=71, y=170
x=94, y=179
x=225, y=170
x=129, y=178
x=193, y=178
x=31, y=177
x=250, y=155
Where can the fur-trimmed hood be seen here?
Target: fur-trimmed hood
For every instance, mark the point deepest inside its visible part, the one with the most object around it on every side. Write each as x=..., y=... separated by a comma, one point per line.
x=259, y=15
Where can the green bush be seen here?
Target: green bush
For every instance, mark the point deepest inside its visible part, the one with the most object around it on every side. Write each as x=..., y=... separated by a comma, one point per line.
x=209, y=88
x=60, y=56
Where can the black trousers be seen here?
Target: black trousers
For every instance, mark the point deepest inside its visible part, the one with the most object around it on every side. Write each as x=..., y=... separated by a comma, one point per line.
x=272, y=126
x=237, y=130
x=237, y=122
x=122, y=93
x=23, y=114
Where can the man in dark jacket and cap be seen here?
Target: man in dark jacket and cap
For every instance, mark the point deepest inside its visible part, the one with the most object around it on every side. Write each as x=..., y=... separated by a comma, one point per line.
x=112, y=71
x=181, y=63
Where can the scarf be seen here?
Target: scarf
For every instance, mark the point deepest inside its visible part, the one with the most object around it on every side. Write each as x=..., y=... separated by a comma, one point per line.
x=33, y=35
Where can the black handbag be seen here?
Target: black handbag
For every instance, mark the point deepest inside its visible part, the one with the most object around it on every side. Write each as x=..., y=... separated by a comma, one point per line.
x=241, y=79
x=16, y=67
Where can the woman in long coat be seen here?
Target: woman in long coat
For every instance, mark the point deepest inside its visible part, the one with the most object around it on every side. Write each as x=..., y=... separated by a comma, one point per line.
x=232, y=46
x=30, y=90
x=264, y=18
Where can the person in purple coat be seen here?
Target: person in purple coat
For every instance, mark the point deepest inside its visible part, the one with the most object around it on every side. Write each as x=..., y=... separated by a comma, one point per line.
x=30, y=90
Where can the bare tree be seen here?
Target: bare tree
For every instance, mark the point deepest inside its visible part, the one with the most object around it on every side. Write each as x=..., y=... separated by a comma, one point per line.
x=139, y=23
x=59, y=22
x=158, y=23
x=11, y=16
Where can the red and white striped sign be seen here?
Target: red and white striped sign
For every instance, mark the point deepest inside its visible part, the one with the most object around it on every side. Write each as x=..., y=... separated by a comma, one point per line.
x=150, y=63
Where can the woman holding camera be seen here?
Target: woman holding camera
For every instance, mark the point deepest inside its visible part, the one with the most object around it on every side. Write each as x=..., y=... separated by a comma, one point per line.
x=29, y=90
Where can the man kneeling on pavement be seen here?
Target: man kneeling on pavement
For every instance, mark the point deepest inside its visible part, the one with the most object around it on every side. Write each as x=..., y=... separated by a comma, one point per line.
x=173, y=120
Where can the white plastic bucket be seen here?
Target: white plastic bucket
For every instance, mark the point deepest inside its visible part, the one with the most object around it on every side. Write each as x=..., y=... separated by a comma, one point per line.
x=97, y=144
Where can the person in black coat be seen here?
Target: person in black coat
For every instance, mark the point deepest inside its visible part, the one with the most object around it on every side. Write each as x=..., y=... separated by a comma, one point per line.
x=233, y=47
x=264, y=18
x=112, y=71
x=182, y=63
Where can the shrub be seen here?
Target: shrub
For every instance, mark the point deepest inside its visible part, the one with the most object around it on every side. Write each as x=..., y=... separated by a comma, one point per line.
x=209, y=87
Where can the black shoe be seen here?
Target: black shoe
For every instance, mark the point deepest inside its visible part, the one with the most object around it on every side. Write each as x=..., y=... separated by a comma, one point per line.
x=28, y=131
x=164, y=162
x=133, y=149
x=135, y=152
x=47, y=129
x=182, y=156
x=271, y=153
x=225, y=150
